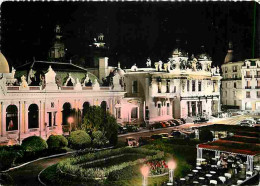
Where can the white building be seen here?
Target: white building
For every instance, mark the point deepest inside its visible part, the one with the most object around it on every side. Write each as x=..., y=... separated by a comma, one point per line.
x=251, y=85
x=179, y=88
x=37, y=98
x=240, y=83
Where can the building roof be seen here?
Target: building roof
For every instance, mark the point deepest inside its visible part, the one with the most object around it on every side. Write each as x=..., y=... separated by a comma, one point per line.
x=4, y=66
x=62, y=70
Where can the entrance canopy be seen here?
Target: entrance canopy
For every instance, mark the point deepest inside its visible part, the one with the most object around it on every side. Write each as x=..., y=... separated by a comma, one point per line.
x=236, y=147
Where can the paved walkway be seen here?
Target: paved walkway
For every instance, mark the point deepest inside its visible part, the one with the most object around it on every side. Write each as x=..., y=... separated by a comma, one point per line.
x=28, y=174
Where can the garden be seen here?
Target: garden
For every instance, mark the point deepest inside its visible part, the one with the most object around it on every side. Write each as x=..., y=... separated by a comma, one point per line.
x=122, y=166
x=98, y=130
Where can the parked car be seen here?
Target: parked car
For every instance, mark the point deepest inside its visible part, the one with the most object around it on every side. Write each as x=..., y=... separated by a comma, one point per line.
x=144, y=140
x=177, y=122
x=257, y=120
x=156, y=136
x=163, y=124
x=171, y=123
x=131, y=142
x=201, y=120
x=121, y=129
x=246, y=123
x=183, y=120
x=165, y=135
x=176, y=134
x=132, y=128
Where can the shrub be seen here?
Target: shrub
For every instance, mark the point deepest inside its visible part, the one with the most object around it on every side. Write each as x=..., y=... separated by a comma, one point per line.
x=57, y=142
x=99, y=140
x=34, y=143
x=79, y=139
x=7, y=159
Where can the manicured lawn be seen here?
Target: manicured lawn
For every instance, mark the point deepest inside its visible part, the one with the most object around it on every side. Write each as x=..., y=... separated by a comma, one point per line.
x=114, y=161
x=182, y=150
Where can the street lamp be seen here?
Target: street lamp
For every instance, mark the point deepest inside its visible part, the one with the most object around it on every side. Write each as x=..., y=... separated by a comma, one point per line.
x=171, y=165
x=70, y=121
x=145, y=173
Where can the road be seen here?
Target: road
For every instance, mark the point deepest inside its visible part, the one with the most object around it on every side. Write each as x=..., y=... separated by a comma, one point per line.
x=28, y=174
x=227, y=121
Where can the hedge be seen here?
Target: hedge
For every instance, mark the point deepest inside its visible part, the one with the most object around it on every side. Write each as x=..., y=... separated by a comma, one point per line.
x=34, y=143
x=57, y=142
x=79, y=139
x=73, y=166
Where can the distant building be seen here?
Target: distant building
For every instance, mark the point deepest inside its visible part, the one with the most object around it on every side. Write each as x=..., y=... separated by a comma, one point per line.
x=240, y=83
x=179, y=88
x=251, y=85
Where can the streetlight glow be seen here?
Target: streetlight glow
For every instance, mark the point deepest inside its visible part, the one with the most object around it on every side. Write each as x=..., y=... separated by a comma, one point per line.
x=171, y=165
x=145, y=173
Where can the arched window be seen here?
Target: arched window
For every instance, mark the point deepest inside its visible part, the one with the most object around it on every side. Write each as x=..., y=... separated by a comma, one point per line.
x=134, y=112
x=11, y=118
x=86, y=106
x=70, y=83
x=33, y=116
x=66, y=113
x=104, y=105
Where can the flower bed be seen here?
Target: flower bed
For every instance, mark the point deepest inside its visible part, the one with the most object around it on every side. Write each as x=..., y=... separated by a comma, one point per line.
x=157, y=167
x=74, y=167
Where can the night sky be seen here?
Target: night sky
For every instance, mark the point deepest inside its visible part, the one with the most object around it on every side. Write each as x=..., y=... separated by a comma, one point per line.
x=133, y=30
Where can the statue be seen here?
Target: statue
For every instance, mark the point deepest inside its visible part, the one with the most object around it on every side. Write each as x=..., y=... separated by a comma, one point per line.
x=209, y=67
x=217, y=70
x=194, y=64
x=148, y=62
x=13, y=72
x=24, y=84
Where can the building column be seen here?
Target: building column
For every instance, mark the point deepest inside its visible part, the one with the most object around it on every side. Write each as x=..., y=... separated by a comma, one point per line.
x=188, y=108
x=21, y=117
x=26, y=124
x=196, y=106
x=3, y=118
x=39, y=118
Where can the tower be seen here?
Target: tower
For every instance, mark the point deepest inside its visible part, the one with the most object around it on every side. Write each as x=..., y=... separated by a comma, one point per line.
x=57, y=51
x=229, y=57
x=99, y=49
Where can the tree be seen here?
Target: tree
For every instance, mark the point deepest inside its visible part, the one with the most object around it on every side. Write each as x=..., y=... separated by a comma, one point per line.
x=79, y=139
x=96, y=119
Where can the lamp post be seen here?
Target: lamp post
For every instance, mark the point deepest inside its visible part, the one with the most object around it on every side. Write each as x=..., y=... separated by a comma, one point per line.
x=145, y=173
x=172, y=165
x=70, y=121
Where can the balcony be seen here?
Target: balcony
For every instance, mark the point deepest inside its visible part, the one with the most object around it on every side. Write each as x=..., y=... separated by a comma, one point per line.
x=258, y=96
x=257, y=87
x=247, y=87
x=248, y=76
x=257, y=76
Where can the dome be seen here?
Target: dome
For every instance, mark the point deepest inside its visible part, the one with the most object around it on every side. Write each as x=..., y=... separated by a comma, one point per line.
x=4, y=66
x=229, y=57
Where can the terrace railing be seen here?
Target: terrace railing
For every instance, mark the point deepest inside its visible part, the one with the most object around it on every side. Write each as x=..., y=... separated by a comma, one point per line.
x=248, y=76
x=247, y=87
